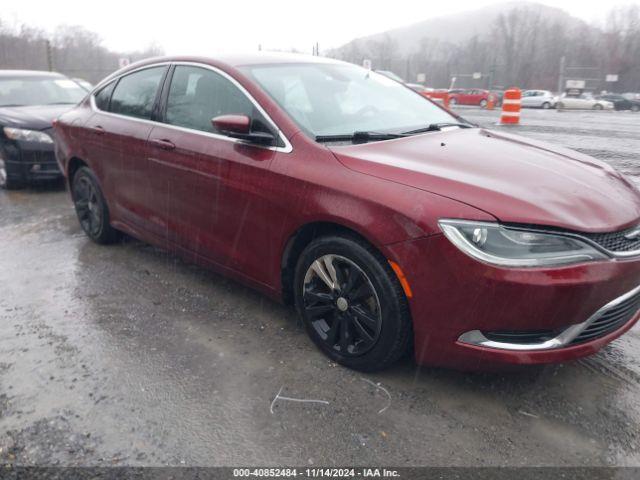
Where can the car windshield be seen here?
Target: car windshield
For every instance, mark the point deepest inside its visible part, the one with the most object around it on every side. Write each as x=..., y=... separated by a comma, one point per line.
x=33, y=90
x=340, y=99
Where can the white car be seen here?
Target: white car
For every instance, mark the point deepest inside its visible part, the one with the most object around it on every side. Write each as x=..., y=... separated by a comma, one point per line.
x=538, y=99
x=583, y=101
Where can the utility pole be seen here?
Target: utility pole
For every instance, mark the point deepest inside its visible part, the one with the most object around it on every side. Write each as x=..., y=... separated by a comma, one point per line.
x=47, y=44
x=491, y=77
x=563, y=59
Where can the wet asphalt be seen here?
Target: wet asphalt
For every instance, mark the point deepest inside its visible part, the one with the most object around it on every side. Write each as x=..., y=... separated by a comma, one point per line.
x=125, y=355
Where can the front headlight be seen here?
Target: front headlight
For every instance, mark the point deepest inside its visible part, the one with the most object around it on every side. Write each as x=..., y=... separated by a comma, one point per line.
x=511, y=247
x=27, y=135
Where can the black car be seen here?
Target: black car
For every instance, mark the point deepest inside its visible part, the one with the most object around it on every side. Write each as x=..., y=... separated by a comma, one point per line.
x=620, y=102
x=29, y=102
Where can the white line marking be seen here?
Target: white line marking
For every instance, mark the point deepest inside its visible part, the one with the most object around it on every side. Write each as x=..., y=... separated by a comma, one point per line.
x=379, y=387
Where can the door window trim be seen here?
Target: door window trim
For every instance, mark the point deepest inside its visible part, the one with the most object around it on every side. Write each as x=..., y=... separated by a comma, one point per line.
x=156, y=98
x=288, y=148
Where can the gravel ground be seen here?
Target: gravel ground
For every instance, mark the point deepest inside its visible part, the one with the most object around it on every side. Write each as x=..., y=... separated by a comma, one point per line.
x=124, y=355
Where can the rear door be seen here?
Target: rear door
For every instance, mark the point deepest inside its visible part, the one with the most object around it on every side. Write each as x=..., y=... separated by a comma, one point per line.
x=118, y=134
x=528, y=98
x=571, y=101
x=474, y=97
x=210, y=192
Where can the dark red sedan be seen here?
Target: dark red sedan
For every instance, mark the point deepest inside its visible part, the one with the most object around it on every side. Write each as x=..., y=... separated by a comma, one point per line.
x=472, y=96
x=385, y=219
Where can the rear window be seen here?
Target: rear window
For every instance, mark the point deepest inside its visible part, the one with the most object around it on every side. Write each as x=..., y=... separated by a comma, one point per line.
x=135, y=94
x=103, y=97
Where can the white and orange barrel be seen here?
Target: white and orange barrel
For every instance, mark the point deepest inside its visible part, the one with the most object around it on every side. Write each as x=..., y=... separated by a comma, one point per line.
x=491, y=102
x=511, y=107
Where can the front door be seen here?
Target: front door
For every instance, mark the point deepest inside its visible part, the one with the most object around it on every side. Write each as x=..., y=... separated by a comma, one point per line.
x=210, y=191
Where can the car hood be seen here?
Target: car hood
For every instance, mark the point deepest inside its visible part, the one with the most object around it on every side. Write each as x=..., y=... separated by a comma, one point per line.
x=514, y=179
x=35, y=117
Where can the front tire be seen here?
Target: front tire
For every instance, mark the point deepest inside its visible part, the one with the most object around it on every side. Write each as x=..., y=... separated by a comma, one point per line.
x=546, y=105
x=453, y=101
x=7, y=181
x=351, y=303
x=597, y=106
x=483, y=103
x=91, y=207
x=635, y=108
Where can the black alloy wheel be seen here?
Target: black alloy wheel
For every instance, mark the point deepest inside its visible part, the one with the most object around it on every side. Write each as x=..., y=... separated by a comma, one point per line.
x=342, y=305
x=91, y=207
x=351, y=303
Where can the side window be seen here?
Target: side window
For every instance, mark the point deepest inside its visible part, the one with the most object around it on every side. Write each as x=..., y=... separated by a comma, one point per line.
x=197, y=95
x=135, y=93
x=103, y=97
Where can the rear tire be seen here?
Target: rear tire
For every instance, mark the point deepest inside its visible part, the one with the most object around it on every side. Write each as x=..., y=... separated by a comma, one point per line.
x=91, y=207
x=597, y=106
x=453, y=101
x=635, y=108
x=363, y=320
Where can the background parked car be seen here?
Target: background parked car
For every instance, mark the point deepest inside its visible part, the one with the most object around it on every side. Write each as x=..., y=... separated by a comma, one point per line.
x=620, y=102
x=469, y=97
x=538, y=99
x=631, y=96
x=498, y=94
x=437, y=94
x=29, y=102
x=582, y=101
x=391, y=75
x=418, y=88
x=88, y=86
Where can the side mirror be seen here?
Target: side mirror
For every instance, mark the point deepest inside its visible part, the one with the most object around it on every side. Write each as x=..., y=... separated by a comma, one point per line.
x=239, y=126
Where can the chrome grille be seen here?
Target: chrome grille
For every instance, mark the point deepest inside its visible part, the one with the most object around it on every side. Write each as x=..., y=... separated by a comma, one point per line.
x=616, y=241
x=610, y=320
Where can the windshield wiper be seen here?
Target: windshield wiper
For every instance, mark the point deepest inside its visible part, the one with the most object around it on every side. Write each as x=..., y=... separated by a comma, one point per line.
x=359, y=137
x=438, y=126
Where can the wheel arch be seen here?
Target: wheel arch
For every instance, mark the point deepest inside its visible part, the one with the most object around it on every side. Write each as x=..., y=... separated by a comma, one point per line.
x=73, y=165
x=302, y=237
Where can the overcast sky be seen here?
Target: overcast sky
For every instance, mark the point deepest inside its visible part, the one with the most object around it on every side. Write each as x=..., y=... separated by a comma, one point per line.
x=208, y=27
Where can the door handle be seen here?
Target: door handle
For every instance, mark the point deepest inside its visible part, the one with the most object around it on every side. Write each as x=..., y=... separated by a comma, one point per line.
x=163, y=144
x=97, y=130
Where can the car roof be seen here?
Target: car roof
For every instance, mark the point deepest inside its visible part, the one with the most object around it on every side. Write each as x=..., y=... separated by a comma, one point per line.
x=29, y=73
x=255, y=58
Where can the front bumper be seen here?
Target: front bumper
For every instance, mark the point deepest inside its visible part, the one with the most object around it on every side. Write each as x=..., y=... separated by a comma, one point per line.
x=454, y=295
x=30, y=161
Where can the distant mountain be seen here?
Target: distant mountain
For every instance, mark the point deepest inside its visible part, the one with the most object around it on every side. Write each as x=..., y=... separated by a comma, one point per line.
x=457, y=28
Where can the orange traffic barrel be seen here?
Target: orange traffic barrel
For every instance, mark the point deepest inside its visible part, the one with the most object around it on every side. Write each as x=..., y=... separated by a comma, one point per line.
x=490, y=102
x=511, y=107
